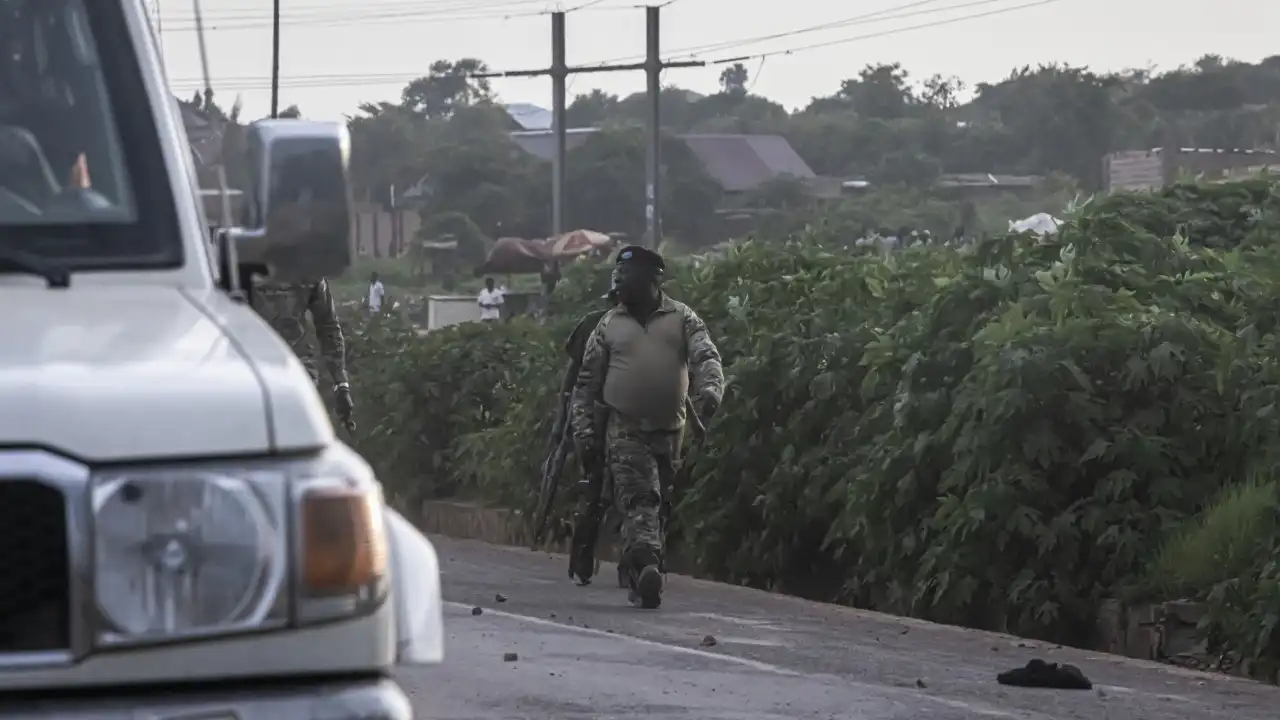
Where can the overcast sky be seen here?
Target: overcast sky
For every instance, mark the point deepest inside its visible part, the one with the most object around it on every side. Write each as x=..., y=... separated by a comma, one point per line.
x=338, y=53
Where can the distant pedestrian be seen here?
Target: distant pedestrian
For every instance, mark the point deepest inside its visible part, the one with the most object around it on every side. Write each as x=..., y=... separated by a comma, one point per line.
x=376, y=292
x=550, y=277
x=491, y=301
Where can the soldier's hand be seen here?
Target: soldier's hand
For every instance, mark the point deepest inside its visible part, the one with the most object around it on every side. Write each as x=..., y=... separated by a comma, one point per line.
x=345, y=407
x=707, y=406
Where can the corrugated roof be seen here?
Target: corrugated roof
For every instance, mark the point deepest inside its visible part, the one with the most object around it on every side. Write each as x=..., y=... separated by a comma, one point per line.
x=743, y=162
x=736, y=162
x=542, y=144
x=529, y=116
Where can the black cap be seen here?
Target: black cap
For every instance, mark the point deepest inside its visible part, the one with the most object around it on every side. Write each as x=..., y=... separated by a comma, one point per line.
x=643, y=257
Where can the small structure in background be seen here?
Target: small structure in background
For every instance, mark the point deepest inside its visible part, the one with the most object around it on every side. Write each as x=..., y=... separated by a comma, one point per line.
x=1041, y=224
x=1158, y=167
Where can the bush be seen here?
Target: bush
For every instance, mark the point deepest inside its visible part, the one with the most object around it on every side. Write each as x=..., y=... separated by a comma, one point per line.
x=1222, y=543
x=420, y=395
x=997, y=436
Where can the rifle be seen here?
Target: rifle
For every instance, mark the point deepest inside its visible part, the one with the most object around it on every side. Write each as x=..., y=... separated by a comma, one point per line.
x=586, y=528
x=561, y=443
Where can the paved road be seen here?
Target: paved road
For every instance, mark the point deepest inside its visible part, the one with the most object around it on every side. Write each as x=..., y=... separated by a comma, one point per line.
x=584, y=654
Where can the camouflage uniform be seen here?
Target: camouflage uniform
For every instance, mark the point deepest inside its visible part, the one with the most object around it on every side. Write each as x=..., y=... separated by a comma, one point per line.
x=641, y=455
x=285, y=307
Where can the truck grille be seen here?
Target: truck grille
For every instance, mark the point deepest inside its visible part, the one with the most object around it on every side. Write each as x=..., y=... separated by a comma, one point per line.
x=35, y=575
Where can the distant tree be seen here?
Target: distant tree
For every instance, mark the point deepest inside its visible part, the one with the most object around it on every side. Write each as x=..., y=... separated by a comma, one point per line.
x=942, y=93
x=880, y=91
x=733, y=79
x=604, y=195
x=446, y=87
x=592, y=109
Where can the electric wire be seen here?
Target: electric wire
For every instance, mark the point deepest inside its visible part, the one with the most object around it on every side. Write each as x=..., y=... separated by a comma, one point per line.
x=400, y=78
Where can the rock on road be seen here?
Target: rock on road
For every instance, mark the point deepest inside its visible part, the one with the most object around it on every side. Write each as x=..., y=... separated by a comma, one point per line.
x=583, y=653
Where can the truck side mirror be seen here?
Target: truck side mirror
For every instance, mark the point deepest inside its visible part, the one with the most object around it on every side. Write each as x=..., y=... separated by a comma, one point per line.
x=297, y=213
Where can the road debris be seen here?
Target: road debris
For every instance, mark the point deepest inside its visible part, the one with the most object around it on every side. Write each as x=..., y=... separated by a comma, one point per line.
x=1040, y=674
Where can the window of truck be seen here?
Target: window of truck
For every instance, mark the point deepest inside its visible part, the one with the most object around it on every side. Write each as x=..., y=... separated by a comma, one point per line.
x=82, y=176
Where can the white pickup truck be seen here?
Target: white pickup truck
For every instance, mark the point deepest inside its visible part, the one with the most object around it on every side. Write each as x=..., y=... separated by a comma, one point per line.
x=181, y=533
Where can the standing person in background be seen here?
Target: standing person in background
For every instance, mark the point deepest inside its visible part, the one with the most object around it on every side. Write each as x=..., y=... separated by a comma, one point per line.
x=642, y=360
x=550, y=277
x=490, y=301
x=376, y=293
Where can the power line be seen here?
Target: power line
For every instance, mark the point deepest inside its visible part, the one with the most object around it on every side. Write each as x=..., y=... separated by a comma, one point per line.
x=892, y=13
x=399, y=17
x=884, y=33
x=865, y=19
x=856, y=38
x=462, y=11
x=755, y=77
x=358, y=79
x=376, y=6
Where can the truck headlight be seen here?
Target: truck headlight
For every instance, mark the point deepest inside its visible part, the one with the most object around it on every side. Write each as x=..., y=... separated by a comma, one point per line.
x=186, y=552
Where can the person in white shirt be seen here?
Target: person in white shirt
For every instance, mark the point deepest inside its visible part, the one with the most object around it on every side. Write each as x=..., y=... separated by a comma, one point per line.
x=491, y=302
x=376, y=292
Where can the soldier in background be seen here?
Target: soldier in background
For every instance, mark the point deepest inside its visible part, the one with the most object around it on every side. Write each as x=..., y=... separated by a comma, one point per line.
x=285, y=307
x=595, y=511
x=628, y=406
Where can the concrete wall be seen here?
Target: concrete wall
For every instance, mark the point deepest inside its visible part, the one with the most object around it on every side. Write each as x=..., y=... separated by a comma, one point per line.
x=1133, y=170
x=446, y=310
x=1152, y=169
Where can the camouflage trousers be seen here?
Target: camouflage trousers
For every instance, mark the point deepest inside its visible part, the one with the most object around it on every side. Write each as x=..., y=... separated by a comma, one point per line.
x=641, y=464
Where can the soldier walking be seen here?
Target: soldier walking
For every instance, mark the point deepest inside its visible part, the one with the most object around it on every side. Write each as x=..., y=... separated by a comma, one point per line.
x=628, y=406
x=285, y=307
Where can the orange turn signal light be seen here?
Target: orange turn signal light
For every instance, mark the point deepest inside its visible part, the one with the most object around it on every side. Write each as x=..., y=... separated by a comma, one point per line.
x=344, y=543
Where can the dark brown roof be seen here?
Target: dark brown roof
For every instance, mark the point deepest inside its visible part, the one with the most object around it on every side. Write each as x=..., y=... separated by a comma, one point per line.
x=743, y=162
x=542, y=144
x=737, y=162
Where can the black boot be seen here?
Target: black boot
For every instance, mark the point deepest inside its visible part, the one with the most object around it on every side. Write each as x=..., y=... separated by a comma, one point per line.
x=645, y=572
x=581, y=566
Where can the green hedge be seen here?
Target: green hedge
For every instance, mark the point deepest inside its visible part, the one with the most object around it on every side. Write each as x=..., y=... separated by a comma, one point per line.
x=996, y=436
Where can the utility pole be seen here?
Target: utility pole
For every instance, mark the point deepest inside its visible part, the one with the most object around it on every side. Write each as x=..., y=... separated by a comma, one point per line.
x=560, y=72
x=559, y=76
x=275, y=59
x=653, y=163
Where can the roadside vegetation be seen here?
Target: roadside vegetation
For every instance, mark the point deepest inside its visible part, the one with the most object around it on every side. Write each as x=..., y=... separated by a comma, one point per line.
x=999, y=435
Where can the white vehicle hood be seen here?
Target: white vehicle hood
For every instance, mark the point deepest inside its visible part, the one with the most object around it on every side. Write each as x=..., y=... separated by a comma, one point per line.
x=106, y=373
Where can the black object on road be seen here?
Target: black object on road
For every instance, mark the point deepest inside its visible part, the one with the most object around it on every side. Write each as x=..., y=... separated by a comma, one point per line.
x=1040, y=674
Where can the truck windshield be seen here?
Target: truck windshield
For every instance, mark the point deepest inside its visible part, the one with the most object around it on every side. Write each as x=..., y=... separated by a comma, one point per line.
x=78, y=143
